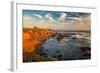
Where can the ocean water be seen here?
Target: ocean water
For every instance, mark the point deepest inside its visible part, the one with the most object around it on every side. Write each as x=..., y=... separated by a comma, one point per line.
x=71, y=47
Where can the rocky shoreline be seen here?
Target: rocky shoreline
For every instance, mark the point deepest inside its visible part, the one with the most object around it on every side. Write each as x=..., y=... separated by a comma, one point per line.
x=38, y=45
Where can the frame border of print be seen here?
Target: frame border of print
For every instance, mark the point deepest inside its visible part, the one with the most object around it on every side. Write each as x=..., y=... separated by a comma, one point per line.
x=16, y=40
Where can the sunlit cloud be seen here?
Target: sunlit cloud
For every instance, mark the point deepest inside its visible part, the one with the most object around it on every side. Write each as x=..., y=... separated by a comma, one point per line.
x=57, y=21
x=37, y=15
x=62, y=17
x=49, y=17
x=75, y=18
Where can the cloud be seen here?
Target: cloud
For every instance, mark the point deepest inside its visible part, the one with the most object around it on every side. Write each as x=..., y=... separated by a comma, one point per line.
x=49, y=17
x=62, y=22
x=65, y=19
x=62, y=17
x=75, y=18
x=39, y=16
x=72, y=20
x=84, y=24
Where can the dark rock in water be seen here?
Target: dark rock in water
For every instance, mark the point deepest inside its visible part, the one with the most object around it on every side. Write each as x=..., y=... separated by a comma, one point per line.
x=44, y=54
x=85, y=48
x=74, y=38
x=59, y=57
x=57, y=51
x=87, y=51
x=38, y=58
x=27, y=57
x=60, y=36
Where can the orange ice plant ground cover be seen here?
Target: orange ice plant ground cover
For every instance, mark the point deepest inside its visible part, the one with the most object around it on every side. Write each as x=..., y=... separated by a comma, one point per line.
x=32, y=38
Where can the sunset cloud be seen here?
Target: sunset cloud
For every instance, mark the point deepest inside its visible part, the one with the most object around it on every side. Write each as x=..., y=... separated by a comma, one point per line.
x=57, y=20
x=37, y=15
x=62, y=17
x=49, y=17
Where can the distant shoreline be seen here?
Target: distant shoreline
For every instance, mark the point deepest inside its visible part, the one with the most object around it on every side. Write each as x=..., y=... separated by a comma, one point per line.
x=71, y=30
x=63, y=30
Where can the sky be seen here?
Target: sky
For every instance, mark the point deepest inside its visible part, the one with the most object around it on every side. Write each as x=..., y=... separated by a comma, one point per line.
x=56, y=20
